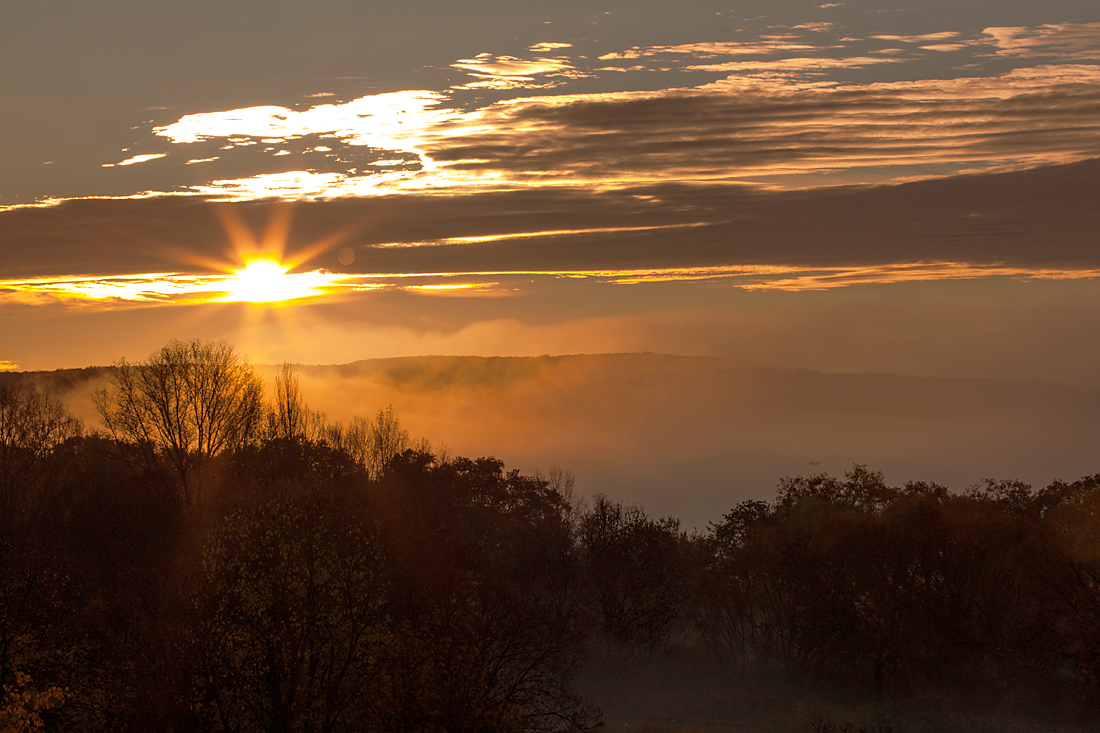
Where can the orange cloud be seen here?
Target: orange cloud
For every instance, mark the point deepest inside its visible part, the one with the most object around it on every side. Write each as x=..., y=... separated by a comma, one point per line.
x=510, y=72
x=1067, y=41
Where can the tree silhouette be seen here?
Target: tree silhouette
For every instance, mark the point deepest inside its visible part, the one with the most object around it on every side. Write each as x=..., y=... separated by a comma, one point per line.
x=634, y=571
x=484, y=579
x=31, y=425
x=290, y=418
x=295, y=630
x=190, y=401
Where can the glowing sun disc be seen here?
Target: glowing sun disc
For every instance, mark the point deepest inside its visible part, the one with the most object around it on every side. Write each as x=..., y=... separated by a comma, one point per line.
x=265, y=280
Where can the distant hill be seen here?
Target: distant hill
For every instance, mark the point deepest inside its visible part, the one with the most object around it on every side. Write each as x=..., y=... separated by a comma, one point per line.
x=691, y=436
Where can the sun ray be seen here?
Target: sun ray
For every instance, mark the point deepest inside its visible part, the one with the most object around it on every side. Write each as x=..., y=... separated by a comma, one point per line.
x=239, y=233
x=331, y=242
x=277, y=230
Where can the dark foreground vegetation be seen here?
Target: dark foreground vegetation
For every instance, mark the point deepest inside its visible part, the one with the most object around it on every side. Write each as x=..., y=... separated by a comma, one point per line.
x=213, y=562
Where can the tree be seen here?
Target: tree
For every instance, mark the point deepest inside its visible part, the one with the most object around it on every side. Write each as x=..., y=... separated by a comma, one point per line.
x=189, y=401
x=291, y=418
x=22, y=706
x=385, y=439
x=733, y=584
x=635, y=572
x=485, y=586
x=373, y=443
x=295, y=626
x=31, y=425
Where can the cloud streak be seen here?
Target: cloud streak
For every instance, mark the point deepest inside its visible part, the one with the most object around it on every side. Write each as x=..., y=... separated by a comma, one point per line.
x=510, y=72
x=766, y=122
x=744, y=129
x=1028, y=221
x=179, y=289
x=1066, y=41
x=785, y=106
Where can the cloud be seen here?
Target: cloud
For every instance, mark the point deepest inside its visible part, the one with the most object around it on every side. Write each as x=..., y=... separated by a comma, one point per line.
x=943, y=36
x=1067, y=41
x=160, y=289
x=136, y=159
x=172, y=288
x=1025, y=224
x=768, y=119
x=391, y=122
x=710, y=49
x=289, y=185
x=510, y=72
x=944, y=47
x=800, y=65
x=548, y=46
x=780, y=109
x=750, y=126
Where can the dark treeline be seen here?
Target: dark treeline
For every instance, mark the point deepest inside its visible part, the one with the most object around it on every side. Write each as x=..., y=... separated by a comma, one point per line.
x=212, y=562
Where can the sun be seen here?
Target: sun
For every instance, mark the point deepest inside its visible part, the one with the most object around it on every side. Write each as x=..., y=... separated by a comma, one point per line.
x=264, y=279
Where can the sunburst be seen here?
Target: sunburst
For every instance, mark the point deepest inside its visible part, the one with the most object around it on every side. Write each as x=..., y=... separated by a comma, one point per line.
x=265, y=279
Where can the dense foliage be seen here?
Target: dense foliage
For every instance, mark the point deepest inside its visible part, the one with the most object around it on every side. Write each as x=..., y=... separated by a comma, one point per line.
x=322, y=578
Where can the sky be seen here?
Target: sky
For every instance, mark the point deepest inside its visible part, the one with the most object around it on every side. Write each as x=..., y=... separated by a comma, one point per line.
x=901, y=187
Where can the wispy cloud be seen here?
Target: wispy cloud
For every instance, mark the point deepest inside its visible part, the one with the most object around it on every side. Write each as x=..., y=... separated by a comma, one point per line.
x=759, y=121
x=744, y=127
x=1029, y=221
x=390, y=121
x=162, y=288
x=1067, y=41
x=785, y=106
x=180, y=289
x=779, y=109
x=782, y=44
x=136, y=159
x=803, y=66
x=548, y=46
x=924, y=38
x=510, y=72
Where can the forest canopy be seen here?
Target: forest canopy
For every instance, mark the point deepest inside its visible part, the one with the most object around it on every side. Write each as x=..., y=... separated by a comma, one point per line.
x=210, y=560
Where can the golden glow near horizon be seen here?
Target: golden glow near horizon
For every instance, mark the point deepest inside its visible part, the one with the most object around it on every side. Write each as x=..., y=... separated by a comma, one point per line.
x=262, y=281
x=266, y=281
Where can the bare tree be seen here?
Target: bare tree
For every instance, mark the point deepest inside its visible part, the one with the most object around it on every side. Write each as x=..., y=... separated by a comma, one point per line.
x=291, y=418
x=34, y=422
x=31, y=425
x=190, y=401
x=385, y=439
x=373, y=443
x=370, y=442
